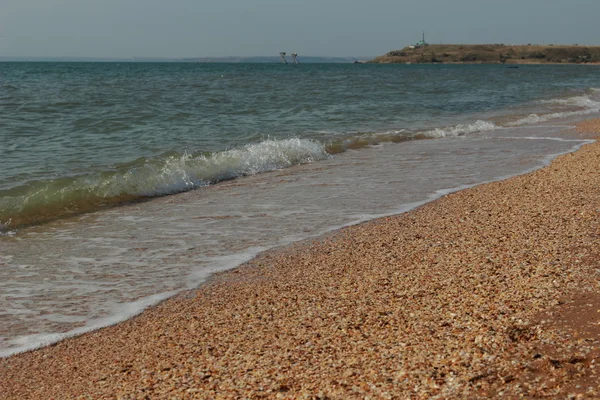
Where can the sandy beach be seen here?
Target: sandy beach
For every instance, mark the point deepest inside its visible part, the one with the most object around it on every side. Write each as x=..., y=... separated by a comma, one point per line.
x=487, y=292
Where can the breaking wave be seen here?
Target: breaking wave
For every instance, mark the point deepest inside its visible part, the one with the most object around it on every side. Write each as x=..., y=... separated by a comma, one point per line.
x=573, y=107
x=44, y=200
x=461, y=130
x=535, y=118
x=361, y=140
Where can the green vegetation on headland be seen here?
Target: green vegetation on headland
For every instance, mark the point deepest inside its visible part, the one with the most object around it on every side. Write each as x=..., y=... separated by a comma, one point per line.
x=491, y=54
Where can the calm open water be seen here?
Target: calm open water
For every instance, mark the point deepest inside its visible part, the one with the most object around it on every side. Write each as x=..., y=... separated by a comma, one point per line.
x=266, y=154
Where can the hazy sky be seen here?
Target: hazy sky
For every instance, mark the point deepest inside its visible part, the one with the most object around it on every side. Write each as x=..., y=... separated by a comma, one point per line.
x=189, y=28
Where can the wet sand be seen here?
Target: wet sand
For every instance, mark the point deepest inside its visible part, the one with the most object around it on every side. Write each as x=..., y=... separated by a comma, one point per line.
x=485, y=292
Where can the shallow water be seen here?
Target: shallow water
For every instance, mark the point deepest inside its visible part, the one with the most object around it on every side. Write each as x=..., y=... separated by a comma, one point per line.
x=84, y=271
x=78, y=137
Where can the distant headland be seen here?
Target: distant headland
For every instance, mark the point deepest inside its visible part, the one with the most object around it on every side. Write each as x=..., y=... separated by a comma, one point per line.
x=425, y=53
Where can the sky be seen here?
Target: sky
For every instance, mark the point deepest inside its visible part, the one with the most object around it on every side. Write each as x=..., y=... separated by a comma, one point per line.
x=216, y=28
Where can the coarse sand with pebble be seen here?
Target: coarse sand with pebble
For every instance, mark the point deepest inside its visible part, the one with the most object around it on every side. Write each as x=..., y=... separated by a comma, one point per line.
x=487, y=292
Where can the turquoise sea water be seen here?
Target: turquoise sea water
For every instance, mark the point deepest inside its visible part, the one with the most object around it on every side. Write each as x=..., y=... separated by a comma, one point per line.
x=76, y=137
x=123, y=184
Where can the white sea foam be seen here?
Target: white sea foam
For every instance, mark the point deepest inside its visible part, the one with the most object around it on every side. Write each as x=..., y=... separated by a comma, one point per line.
x=170, y=174
x=557, y=139
x=460, y=130
x=576, y=101
x=5, y=229
x=177, y=173
x=535, y=118
x=165, y=245
x=585, y=104
x=30, y=342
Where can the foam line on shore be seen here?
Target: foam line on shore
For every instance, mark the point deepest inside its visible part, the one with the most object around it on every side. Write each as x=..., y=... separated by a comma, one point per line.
x=557, y=139
x=229, y=262
x=129, y=310
x=466, y=332
x=33, y=342
x=444, y=192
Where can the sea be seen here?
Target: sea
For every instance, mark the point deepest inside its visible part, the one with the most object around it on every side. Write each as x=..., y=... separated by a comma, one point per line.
x=123, y=184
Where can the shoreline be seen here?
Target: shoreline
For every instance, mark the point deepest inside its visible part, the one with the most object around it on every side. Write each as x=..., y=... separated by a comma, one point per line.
x=353, y=312
x=150, y=301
